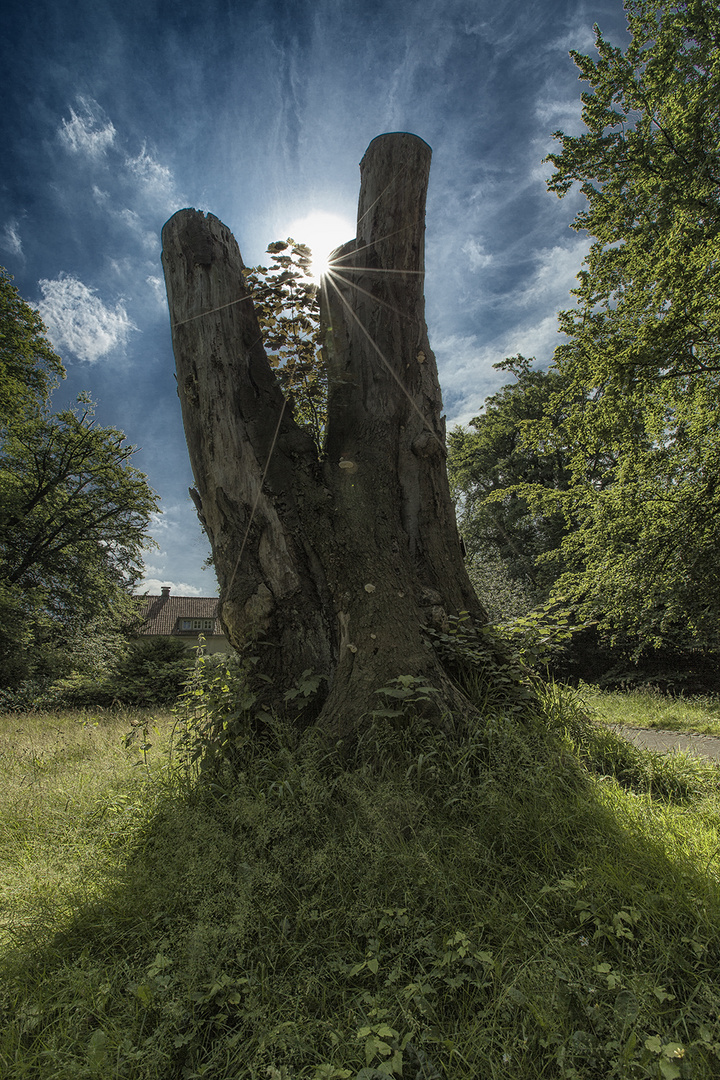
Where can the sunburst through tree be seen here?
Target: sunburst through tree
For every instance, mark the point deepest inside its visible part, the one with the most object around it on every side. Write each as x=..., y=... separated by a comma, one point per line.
x=348, y=564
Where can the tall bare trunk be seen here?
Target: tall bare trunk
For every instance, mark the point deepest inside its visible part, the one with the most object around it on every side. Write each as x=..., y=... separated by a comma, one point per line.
x=335, y=565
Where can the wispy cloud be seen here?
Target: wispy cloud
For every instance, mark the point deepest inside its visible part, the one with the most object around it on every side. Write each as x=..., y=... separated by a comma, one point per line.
x=183, y=551
x=10, y=238
x=476, y=254
x=78, y=320
x=140, y=181
x=150, y=569
x=580, y=36
x=554, y=276
x=466, y=360
x=88, y=131
x=157, y=289
x=466, y=364
x=160, y=522
x=134, y=223
x=553, y=112
x=156, y=178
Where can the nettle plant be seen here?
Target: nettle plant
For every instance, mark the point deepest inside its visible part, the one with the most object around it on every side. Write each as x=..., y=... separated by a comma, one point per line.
x=220, y=714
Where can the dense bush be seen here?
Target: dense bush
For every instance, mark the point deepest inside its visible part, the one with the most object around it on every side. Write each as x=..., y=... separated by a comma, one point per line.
x=144, y=671
x=153, y=671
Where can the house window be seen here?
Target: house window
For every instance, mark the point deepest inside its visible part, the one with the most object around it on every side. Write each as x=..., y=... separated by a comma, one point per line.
x=197, y=624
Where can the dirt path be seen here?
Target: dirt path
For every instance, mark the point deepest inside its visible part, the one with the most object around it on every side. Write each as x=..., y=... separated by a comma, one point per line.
x=667, y=742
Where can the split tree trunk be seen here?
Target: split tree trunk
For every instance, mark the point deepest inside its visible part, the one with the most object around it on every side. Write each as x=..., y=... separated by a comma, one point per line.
x=334, y=564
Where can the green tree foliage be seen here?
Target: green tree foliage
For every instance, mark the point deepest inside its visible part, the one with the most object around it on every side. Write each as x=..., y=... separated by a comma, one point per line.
x=104, y=667
x=74, y=513
x=288, y=310
x=640, y=371
x=152, y=671
x=29, y=369
x=490, y=469
x=649, y=168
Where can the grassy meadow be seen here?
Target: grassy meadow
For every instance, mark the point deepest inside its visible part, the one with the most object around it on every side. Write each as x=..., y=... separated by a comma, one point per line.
x=697, y=714
x=535, y=899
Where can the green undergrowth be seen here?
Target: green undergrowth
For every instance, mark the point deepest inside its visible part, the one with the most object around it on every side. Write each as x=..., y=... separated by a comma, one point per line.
x=528, y=900
x=697, y=714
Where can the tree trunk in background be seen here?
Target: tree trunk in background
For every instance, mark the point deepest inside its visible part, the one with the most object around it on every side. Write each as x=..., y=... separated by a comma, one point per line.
x=334, y=565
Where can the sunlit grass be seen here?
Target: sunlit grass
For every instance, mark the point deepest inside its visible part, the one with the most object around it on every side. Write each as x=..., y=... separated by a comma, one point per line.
x=533, y=901
x=70, y=791
x=698, y=714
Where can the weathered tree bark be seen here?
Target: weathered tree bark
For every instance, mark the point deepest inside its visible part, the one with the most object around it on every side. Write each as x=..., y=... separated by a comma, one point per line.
x=335, y=564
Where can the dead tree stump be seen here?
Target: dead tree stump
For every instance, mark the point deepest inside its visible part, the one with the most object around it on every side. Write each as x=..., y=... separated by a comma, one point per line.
x=334, y=562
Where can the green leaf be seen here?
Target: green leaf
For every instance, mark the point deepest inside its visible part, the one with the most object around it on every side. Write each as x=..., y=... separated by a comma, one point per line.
x=97, y=1049
x=626, y=1006
x=673, y=1050
x=145, y=992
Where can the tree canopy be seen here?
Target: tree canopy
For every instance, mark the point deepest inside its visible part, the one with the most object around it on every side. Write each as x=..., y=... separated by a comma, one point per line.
x=74, y=512
x=597, y=480
x=640, y=371
x=489, y=467
x=649, y=168
x=29, y=368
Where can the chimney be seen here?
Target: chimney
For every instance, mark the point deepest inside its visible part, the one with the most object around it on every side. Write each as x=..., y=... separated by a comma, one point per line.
x=165, y=590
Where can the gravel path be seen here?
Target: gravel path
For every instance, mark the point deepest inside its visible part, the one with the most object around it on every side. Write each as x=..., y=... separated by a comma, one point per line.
x=667, y=742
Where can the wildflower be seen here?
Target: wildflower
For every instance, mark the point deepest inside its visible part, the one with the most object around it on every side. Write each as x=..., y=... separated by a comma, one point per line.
x=583, y=940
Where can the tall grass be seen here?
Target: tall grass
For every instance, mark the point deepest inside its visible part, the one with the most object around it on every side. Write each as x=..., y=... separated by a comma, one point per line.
x=70, y=799
x=530, y=901
x=648, y=708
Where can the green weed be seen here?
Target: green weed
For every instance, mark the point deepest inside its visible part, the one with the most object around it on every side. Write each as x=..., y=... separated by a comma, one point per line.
x=509, y=905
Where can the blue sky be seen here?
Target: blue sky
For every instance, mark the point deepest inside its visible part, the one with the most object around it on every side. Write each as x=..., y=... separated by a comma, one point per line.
x=115, y=115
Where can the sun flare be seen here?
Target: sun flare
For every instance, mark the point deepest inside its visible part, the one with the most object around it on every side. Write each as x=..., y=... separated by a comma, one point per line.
x=322, y=232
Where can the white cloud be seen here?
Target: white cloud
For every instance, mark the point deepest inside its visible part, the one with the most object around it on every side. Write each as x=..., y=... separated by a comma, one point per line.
x=466, y=375
x=145, y=182
x=157, y=179
x=580, y=37
x=177, y=588
x=184, y=548
x=476, y=254
x=157, y=289
x=133, y=222
x=78, y=320
x=89, y=131
x=10, y=240
x=556, y=271
x=466, y=361
x=159, y=522
x=149, y=569
x=553, y=113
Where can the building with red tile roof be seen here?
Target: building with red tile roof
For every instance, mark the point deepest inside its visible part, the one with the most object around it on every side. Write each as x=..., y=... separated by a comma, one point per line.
x=185, y=617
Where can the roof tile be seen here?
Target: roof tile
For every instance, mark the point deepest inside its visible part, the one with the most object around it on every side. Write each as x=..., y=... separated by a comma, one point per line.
x=162, y=614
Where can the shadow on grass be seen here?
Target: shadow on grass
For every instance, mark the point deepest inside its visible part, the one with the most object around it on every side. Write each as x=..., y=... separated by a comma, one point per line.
x=488, y=909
